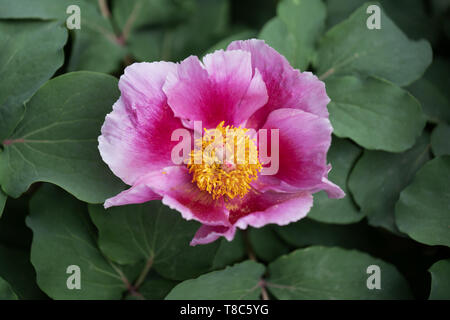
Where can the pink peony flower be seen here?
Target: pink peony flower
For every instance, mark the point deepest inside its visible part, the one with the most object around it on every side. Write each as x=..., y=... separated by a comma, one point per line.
x=249, y=85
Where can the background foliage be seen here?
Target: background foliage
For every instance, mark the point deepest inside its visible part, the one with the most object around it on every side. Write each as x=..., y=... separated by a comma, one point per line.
x=390, y=111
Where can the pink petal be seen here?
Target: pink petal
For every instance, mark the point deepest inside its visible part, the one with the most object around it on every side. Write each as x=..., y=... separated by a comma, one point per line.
x=225, y=88
x=178, y=192
x=286, y=86
x=333, y=191
x=206, y=234
x=304, y=139
x=136, y=135
x=259, y=209
x=138, y=193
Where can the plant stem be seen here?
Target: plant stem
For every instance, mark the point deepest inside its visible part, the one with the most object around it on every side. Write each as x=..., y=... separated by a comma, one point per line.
x=104, y=8
x=144, y=273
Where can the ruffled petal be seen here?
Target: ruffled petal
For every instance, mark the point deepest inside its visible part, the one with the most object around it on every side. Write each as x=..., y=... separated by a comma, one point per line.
x=206, y=234
x=304, y=139
x=224, y=88
x=136, y=135
x=286, y=86
x=138, y=193
x=178, y=192
x=258, y=209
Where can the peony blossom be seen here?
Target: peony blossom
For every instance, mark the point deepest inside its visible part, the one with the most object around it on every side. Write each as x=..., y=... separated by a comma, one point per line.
x=247, y=86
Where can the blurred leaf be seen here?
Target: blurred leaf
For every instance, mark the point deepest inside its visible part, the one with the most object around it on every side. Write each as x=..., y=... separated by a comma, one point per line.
x=95, y=47
x=440, y=280
x=32, y=9
x=229, y=252
x=351, y=48
x=63, y=236
x=239, y=282
x=56, y=141
x=295, y=30
x=148, y=45
x=308, y=232
x=6, y=293
x=432, y=91
x=342, y=155
x=332, y=273
x=374, y=113
x=3, y=198
x=435, y=105
x=440, y=140
x=135, y=14
x=422, y=211
x=402, y=12
x=266, y=243
x=155, y=233
x=379, y=177
x=31, y=53
x=203, y=23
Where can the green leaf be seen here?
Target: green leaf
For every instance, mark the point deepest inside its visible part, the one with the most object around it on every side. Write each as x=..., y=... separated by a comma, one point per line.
x=6, y=293
x=135, y=14
x=156, y=287
x=96, y=50
x=31, y=9
x=191, y=28
x=432, y=92
x=308, y=232
x=351, y=48
x=379, y=177
x=95, y=47
x=440, y=280
x=422, y=211
x=155, y=233
x=230, y=252
x=374, y=113
x=440, y=140
x=239, y=282
x=342, y=155
x=15, y=267
x=57, y=139
x=266, y=243
x=295, y=30
x=402, y=13
x=332, y=273
x=63, y=236
x=25, y=65
x=15, y=243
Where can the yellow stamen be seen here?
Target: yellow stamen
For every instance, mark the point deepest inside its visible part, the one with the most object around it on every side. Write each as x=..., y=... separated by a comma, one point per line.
x=225, y=162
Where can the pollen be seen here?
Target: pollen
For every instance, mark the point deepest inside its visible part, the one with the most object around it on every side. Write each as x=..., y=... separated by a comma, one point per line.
x=224, y=162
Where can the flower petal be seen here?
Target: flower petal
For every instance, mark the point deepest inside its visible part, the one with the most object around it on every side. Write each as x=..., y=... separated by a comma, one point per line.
x=136, y=135
x=225, y=88
x=259, y=209
x=206, y=234
x=304, y=139
x=286, y=86
x=178, y=192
